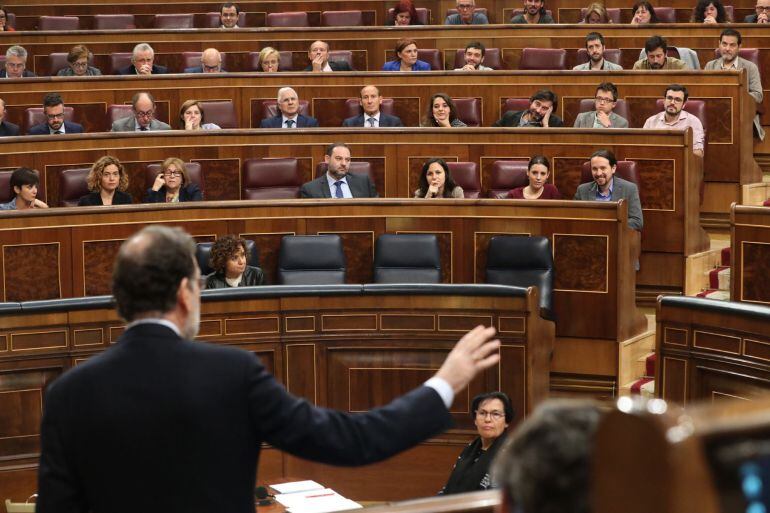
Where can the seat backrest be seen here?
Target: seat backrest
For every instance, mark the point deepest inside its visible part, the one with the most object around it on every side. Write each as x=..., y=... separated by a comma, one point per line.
x=114, y=21
x=523, y=261
x=695, y=107
x=270, y=108
x=353, y=107
x=287, y=19
x=626, y=170
x=58, y=23
x=407, y=258
x=341, y=56
x=543, y=59
x=311, y=260
x=5, y=186
x=432, y=56
x=665, y=14
x=515, y=104
x=174, y=21
x=34, y=116
x=507, y=175
x=468, y=110
x=357, y=167
x=729, y=12
x=342, y=19
x=466, y=175
x=492, y=58
x=423, y=15
x=11, y=21
x=212, y=20
x=193, y=170
x=72, y=186
x=116, y=112
x=203, y=255
x=621, y=107
x=613, y=13
x=220, y=112
x=119, y=60
x=271, y=179
x=610, y=54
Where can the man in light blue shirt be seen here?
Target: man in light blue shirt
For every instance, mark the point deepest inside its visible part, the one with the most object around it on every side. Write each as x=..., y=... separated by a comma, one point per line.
x=466, y=15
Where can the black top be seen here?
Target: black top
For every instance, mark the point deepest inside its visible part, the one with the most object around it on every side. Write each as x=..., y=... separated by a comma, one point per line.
x=471, y=471
x=189, y=192
x=95, y=199
x=251, y=276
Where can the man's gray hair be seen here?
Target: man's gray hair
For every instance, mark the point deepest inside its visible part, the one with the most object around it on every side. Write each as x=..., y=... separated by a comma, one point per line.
x=16, y=51
x=284, y=90
x=141, y=47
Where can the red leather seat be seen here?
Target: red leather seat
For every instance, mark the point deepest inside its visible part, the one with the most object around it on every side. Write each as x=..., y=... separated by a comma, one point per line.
x=72, y=186
x=698, y=109
x=353, y=107
x=611, y=54
x=730, y=12
x=466, y=175
x=270, y=109
x=5, y=186
x=357, y=167
x=271, y=179
x=287, y=19
x=220, y=112
x=665, y=14
x=507, y=175
x=423, y=15
x=119, y=60
x=211, y=20
x=116, y=112
x=341, y=56
x=284, y=61
x=11, y=21
x=543, y=59
x=57, y=61
x=492, y=58
x=626, y=170
x=621, y=108
x=432, y=56
x=468, y=110
x=515, y=105
x=482, y=10
x=193, y=170
x=58, y=23
x=613, y=13
x=114, y=21
x=34, y=116
x=174, y=21
x=342, y=19
x=193, y=59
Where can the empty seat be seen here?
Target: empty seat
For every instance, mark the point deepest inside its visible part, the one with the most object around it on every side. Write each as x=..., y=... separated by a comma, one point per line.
x=423, y=15
x=357, y=167
x=10, y=21
x=342, y=56
x=610, y=54
x=626, y=170
x=5, y=186
x=220, y=112
x=270, y=109
x=58, y=23
x=311, y=260
x=353, y=107
x=342, y=19
x=466, y=175
x=119, y=60
x=543, y=59
x=116, y=112
x=212, y=20
x=492, y=58
x=114, y=21
x=407, y=258
x=613, y=13
x=34, y=116
x=468, y=110
x=665, y=14
x=287, y=19
x=203, y=255
x=73, y=186
x=507, y=175
x=193, y=171
x=284, y=61
x=523, y=261
x=515, y=105
x=621, y=108
x=174, y=21
x=271, y=179
x=432, y=56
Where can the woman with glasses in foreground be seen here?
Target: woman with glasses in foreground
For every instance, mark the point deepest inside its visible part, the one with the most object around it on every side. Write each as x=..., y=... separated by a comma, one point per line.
x=173, y=185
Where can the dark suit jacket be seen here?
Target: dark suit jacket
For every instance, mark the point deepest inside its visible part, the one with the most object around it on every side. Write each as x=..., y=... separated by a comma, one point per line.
x=198, y=69
x=159, y=423
x=131, y=70
x=334, y=65
x=8, y=129
x=189, y=192
x=27, y=73
x=385, y=120
x=95, y=199
x=360, y=187
x=621, y=189
x=513, y=119
x=42, y=129
x=277, y=122
x=751, y=18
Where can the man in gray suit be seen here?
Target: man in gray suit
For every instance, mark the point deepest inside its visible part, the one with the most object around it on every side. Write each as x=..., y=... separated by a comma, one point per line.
x=607, y=187
x=142, y=120
x=337, y=182
x=602, y=116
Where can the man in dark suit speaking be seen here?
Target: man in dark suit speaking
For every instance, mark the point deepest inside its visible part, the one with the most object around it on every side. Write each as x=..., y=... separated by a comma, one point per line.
x=338, y=182
x=373, y=117
x=159, y=422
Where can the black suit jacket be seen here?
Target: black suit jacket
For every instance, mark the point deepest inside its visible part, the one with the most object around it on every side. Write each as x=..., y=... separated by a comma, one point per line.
x=131, y=70
x=385, y=121
x=513, y=119
x=159, y=423
x=277, y=122
x=360, y=187
x=42, y=129
x=27, y=73
x=199, y=69
x=334, y=65
x=95, y=199
x=8, y=129
x=189, y=192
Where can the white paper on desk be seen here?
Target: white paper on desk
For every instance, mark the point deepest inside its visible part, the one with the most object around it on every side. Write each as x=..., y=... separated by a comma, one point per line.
x=296, y=486
x=316, y=501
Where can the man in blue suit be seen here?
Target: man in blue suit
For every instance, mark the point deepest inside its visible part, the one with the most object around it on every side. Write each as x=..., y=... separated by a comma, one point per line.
x=53, y=108
x=289, y=116
x=370, y=101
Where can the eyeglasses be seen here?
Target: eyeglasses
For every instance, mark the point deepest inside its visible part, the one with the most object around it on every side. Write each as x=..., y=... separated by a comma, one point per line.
x=760, y=9
x=145, y=113
x=465, y=6
x=15, y=65
x=79, y=64
x=172, y=173
x=55, y=116
x=494, y=415
x=599, y=99
x=211, y=68
x=674, y=99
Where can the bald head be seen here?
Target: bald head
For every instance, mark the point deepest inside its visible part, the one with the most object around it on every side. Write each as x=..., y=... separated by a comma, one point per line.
x=211, y=60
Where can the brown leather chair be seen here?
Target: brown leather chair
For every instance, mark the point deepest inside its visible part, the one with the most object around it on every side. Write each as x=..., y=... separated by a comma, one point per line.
x=116, y=112
x=611, y=54
x=515, y=105
x=466, y=175
x=543, y=59
x=613, y=13
x=34, y=116
x=698, y=109
x=357, y=167
x=342, y=19
x=5, y=186
x=270, y=109
x=492, y=58
x=119, y=60
x=220, y=112
x=284, y=61
x=730, y=12
x=468, y=110
x=211, y=20
x=73, y=186
x=482, y=10
x=353, y=107
x=665, y=14
x=61, y=23
x=271, y=179
x=11, y=22
x=193, y=170
x=193, y=59
x=114, y=21
x=287, y=19
x=507, y=175
x=341, y=56
x=621, y=108
x=626, y=170
x=432, y=56
x=423, y=15
x=174, y=21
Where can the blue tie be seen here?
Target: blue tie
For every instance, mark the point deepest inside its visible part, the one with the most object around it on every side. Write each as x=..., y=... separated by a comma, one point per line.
x=338, y=189
x=290, y=123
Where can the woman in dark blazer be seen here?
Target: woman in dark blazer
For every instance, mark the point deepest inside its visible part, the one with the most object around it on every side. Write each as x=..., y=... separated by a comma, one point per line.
x=229, y=261
x=107, y=182
x=173, y=185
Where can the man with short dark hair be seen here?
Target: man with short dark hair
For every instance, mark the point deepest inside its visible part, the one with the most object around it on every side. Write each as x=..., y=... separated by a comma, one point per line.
x=319, y=59
x=288, y=112
x=466, y=15
x=53, y=109
x=143, y=62
x=143, y=118
x=373, y=117
x=534, y=12
x=16, y=63
x=7, y=128
x=183, y=422
x=655, y=48
x=474, y=57
x=602, y=116
x=539, y=114
x=338, y=182
x=211, y=62
x=761, y=13
x=228, y=16
x=24, y=183
x=596, y=60
x=674, y=117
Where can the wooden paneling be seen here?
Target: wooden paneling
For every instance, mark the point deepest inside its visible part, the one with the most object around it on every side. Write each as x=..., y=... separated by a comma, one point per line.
x=750, y=254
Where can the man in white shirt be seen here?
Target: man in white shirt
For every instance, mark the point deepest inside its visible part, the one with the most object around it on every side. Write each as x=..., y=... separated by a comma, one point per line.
x=319, y=59
x=288, y=112
x=474, y=56
x=373, y=117
x=228, y=16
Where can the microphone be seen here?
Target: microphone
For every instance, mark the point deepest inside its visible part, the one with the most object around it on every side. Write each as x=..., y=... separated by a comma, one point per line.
x=260, y=492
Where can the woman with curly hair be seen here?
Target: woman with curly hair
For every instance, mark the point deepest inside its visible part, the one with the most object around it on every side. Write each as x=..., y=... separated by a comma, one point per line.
x=228, y=259
x=436, y=181
x=107, y=182
x=710, y=11
x=442, y=112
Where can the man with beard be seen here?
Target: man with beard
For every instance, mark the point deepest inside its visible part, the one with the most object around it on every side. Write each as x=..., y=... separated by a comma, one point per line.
x=337, y=182
x=674, y=117
x=655, y=48
x=474, y=57
x=53, y=109
x=596, y=60
x=373, y=117
x=608, y=187
x=539, y=114
x=534, y=12
x=602, y=115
